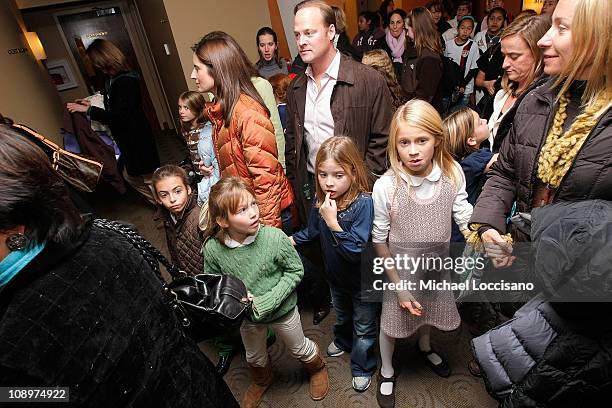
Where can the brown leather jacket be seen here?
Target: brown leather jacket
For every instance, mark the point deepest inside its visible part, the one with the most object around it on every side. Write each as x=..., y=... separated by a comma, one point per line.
x=513, y=176
x=247, y=148
x=361, y=106
x=184, y=238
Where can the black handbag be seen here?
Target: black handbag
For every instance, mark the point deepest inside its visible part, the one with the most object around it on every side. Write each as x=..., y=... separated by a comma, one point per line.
x=207, y=305
x=80, y=172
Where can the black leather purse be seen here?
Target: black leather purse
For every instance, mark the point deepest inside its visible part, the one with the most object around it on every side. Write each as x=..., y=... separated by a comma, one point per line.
x=207, y=305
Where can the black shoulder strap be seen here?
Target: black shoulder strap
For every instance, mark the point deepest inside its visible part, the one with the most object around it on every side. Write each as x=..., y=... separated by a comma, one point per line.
x=151, y=254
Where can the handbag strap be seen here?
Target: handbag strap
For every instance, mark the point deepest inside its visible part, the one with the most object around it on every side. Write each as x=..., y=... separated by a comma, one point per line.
x=151, y=254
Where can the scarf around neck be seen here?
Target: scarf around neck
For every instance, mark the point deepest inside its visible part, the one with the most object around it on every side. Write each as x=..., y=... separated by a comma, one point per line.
x=16, y=261
x=396, y=45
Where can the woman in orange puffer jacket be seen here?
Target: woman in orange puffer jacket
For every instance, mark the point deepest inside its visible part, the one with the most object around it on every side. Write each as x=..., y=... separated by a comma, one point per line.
x=243, y=134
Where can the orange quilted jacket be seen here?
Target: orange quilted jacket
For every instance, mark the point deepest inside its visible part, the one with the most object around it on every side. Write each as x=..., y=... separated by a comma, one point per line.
x=247, y=148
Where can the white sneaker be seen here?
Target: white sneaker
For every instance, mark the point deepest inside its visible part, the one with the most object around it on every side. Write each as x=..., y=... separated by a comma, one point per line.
x=361, y=384
x=333, y=350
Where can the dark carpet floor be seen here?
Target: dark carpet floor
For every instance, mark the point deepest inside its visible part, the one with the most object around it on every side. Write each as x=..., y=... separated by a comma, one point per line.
x=417, y=386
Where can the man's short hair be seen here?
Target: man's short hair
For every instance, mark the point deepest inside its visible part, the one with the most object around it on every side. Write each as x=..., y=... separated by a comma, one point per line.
x=329, y=17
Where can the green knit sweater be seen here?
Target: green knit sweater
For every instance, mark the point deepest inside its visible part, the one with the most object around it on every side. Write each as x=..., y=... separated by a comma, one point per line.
x=269, y=267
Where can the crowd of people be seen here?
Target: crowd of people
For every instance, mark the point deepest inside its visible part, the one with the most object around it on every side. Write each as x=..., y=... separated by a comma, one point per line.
x=430, y=127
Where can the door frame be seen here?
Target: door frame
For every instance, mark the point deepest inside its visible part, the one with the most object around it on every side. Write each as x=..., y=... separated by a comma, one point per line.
x=144, y=55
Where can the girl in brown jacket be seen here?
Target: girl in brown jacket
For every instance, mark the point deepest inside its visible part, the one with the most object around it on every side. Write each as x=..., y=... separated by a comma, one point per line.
x=242, y=132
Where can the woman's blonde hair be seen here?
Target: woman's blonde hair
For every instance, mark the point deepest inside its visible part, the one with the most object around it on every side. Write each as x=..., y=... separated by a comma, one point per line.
x=224, y=198
x=530, y=30
x=592, y=40
x=426, y=34
x=458, y=128
x=343, y=151
x=380, y=61
x=422, y=115
x=340, y=19
x=107, y=56
x=195, y=102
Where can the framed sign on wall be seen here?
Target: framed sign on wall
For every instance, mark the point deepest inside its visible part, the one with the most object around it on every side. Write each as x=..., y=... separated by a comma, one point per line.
x=61, y=74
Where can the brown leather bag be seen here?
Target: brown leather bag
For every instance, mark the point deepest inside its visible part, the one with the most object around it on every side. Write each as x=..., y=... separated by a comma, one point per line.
x=78, y=171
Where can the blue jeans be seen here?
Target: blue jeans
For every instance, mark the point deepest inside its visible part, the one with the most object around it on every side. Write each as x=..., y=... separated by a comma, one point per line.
x=355, y=329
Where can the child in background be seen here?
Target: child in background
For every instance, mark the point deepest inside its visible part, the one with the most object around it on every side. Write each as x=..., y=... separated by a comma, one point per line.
x=341, y=219
x=464, y=52
x=381, y=62
x=264, y=259
x=180, y=215
x=465, y=131
x=413, y=204
x=464, y=8
x=280, y=83
x=197, y=131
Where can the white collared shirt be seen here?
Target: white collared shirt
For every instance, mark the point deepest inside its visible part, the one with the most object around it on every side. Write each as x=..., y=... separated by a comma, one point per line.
x=318, y=120
x=424, y=188
x=230, y=243
x=496, y=117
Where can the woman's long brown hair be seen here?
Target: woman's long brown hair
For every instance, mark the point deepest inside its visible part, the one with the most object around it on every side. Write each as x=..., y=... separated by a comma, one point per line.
x=230, y=69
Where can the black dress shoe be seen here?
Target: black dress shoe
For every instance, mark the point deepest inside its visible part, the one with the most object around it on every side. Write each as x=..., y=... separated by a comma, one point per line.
x=385, y=401
x=320, y=314
x=224, y=364
x=442, y=369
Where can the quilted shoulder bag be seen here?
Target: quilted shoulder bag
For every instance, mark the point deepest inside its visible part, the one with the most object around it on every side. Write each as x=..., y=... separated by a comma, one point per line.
x=207, y=305
x=78, y=171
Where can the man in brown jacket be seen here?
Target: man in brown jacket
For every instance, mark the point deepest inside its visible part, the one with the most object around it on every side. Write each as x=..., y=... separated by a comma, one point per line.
x=335, y=96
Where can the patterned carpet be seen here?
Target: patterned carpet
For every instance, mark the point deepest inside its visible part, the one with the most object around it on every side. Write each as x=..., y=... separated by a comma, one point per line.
x=417, y=386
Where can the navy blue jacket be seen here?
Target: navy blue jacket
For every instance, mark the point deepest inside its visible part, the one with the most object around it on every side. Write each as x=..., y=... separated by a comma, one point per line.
x=342, y=251
x=473, y=165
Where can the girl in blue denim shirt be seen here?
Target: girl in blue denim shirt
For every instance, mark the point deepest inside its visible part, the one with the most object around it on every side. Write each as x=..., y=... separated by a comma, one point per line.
x=342, y=220
x=197, y=131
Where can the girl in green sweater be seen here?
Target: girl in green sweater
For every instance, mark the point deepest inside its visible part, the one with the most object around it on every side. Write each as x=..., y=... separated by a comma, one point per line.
x=265, y=260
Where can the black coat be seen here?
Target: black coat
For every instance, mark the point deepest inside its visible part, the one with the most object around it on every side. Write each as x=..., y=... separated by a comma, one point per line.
x=128, y=124
x=513, y=176
x=90, y=316
x=556, y=353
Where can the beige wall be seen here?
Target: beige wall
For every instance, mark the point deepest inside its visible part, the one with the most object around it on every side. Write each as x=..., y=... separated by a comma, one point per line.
x=191, y=19
x=26, y=92
x=43, y=23
x=158, y=31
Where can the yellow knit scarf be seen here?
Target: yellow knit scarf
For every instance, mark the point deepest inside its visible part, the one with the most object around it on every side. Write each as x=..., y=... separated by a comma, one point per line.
x=560, y=149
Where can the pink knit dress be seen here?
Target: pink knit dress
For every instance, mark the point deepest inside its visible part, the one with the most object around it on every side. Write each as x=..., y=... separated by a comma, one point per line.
x=420, y=227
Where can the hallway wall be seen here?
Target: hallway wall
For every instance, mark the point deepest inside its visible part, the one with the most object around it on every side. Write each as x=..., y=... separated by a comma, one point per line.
x=191, y=19
x=27, y=94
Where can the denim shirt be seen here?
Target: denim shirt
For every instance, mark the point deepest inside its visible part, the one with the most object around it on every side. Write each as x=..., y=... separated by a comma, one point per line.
x=342, y=251
x=206, y=150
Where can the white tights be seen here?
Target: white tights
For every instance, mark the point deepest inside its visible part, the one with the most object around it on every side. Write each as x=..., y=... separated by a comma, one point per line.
x=387, y=347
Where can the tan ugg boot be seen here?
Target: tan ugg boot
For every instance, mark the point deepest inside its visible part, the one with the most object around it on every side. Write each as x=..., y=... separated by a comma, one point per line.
x=261, y=380
x=319, y=378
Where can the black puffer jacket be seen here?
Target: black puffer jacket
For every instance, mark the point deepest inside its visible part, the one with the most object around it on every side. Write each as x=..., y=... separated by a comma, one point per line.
x=513, y=176
x=90, y=316
x=554, y=354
